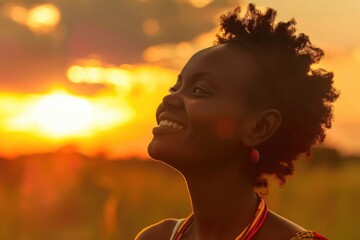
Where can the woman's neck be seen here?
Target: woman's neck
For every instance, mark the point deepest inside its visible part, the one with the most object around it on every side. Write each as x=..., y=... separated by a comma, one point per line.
x=223, y=203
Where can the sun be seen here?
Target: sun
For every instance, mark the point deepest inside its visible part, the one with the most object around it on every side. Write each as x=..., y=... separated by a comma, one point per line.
x=60, y=114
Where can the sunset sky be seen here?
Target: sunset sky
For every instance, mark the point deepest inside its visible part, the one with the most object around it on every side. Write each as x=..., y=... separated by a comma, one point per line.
x=91, y=73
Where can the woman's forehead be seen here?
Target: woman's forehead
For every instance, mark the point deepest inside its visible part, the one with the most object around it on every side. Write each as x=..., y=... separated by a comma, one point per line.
x=222, y=61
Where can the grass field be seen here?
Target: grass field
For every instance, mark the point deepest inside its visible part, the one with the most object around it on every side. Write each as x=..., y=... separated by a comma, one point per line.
x=71, y=196
x=322, y=199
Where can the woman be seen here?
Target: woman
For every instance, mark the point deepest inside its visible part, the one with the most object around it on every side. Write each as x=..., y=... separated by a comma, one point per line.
x=246, y=107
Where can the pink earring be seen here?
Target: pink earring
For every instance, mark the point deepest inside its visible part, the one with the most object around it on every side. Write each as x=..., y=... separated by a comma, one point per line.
x=254, y=155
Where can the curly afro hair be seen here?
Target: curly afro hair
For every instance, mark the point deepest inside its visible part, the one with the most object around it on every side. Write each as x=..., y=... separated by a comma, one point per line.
x=304, y=96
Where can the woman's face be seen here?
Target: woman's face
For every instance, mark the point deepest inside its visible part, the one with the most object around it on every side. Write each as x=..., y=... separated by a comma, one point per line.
x=204, y=117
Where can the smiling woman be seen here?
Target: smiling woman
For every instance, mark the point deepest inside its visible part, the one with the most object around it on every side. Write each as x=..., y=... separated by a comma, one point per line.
x=244, y=108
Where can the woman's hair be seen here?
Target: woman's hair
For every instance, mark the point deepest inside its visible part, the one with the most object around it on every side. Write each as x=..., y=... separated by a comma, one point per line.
x=286, y=82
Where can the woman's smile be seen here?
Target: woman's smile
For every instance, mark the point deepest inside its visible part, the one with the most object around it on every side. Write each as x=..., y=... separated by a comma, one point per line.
x=168, y=126
x=168, y=123
x=202, y=117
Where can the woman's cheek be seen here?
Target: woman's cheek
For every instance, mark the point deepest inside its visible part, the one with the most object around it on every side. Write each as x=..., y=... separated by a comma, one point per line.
x=225, y=127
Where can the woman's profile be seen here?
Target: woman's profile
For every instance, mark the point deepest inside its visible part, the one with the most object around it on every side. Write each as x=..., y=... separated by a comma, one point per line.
x=241, y=109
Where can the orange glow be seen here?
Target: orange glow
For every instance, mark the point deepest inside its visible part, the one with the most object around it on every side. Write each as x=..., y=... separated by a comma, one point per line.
x=175, y=55
x=40, y=18
x=18, y=13
x=200, y=3
x=62, y=115
x=126, y=78
x=151, y=26
x=357, y=55
x=117, y=120
x=184, y=50
x=43, y=17
x=157, y=53
x=112, y=75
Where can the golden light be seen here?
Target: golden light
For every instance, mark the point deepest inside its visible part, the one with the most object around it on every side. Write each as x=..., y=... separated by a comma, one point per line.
x=120, y=78
x=106, y=121
x=125, y=78
x=43, y=17
x=94, y=74
x=76, y=74
x=62, y=115
x=176, y=55
x=40, y=19
x=200, y=3
x=184, y=50
x=18, y=13
x=356, y=54
x=114, y=76
x=154, y=54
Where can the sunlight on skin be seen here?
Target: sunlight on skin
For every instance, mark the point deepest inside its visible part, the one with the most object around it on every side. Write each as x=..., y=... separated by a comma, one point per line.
x=343, y=63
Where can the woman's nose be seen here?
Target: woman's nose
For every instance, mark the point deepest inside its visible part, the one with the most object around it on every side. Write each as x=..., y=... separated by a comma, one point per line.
x=173, y=101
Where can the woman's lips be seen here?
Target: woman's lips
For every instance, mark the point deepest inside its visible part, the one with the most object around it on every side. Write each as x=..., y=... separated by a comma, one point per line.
x=165, y=130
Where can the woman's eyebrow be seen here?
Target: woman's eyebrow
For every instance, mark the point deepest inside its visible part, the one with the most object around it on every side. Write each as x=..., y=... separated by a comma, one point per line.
x=198, y=76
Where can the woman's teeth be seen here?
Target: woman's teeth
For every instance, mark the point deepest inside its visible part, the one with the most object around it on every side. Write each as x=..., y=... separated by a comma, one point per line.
x=171, y=124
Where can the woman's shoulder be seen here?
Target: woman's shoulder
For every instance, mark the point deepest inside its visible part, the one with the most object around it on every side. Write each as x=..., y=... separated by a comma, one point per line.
x=159, y=230
x=307, y=235
x=283, y=229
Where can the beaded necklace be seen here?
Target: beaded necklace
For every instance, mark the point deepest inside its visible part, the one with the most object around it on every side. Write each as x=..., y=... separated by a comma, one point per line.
x=246, y=234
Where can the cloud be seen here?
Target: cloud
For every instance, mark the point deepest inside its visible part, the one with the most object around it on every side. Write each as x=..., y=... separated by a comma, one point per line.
x=175, y=55
x=117, y=31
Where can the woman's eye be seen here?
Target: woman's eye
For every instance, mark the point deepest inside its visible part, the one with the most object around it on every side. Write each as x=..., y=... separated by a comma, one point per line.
x=172, y=89
x=198, y=90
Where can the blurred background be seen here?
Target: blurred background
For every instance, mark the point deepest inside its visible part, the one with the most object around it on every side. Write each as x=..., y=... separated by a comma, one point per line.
x=79, y=85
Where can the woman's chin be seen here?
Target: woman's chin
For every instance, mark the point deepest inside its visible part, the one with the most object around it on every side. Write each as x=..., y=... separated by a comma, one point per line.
x=155, y=152
x=151, y=151
x=161, y=154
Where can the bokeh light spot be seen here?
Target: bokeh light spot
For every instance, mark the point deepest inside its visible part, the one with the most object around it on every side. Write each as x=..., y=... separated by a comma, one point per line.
x=18, y=14
x=43, y=17
x=151, y=26
x=40, y=18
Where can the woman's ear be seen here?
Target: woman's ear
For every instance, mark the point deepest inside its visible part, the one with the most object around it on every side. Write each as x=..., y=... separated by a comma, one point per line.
x=262, y=126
